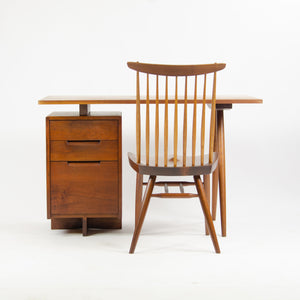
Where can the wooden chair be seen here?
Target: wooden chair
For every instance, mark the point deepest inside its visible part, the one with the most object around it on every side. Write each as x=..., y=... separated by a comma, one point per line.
x=175, y=165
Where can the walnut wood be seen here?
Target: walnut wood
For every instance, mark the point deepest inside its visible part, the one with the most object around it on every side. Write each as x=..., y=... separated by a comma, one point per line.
x=174, y=195
x=147, y=123
x=68, y=222
x=185, y=123
x=83, y=150
x=84, y=188
x=117, y=100
x=203, y=121
x=176, y=122
x=194, y=124
x=84, y=109
x=210, y=224
x=143, y=212
x=138, y=119
x=172, y=183
x=212, y=120
x=80, y=183
x=138, y=196
x=206, y=182
x=215, y=178
x=221, y=106
x=161, y=170
x=175, y=70
x=157, y=121
x=83, y=130
x=166, y=126
x=222, y=178
x=175, y=166
x=84, y=226
x=48, y=167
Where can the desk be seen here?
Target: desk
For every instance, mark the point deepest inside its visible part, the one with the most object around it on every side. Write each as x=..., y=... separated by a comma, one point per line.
x=222, y=103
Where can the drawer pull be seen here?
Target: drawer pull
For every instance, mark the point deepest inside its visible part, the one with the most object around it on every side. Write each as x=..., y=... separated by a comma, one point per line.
x=83, y=163
x=83, y=142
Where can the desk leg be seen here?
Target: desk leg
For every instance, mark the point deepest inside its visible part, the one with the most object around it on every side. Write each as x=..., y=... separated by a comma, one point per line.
x=215, y=179
x=207, y=192
x=222, y=179
x=138, y=196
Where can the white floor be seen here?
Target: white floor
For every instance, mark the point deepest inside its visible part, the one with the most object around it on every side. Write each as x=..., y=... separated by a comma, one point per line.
x=173, y=259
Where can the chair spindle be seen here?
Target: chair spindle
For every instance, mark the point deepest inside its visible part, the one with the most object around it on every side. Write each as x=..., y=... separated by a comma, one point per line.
x=156, y=122
x=138, y=119
x=166, y=126
x=212, y=120
x=176, y=122
x=203, y=121
x=194, y=124
x=185, y=123
x=147, y=123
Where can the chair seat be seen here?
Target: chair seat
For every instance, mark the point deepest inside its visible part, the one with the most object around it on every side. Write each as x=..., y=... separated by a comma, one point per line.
x=170, y=170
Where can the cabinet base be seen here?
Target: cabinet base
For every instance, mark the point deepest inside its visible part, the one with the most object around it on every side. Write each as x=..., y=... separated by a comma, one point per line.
x=85, y=223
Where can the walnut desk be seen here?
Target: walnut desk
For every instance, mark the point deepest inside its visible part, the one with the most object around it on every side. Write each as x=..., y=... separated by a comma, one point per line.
x=84, y=161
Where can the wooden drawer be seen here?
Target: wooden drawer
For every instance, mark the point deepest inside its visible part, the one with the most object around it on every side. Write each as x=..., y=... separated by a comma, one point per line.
x=84, y=130
x=87, y=150
x=84, y=188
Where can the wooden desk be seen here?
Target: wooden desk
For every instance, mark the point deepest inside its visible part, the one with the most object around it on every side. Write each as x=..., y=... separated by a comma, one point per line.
x=222, y=103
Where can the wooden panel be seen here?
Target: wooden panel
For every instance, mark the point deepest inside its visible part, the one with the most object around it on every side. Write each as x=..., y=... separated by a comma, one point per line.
x=84, y=188
x=83, y=150
x=84, y=130
x=76, y=223
x=116, y=100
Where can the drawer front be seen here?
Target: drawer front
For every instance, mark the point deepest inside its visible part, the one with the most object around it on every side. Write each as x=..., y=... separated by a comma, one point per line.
x=84, y=188
x=83, y=150
x=84, y=130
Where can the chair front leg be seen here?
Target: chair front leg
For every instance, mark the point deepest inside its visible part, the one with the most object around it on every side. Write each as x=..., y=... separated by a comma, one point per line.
x=144, y=208
x=207, y=215
x=138, y=196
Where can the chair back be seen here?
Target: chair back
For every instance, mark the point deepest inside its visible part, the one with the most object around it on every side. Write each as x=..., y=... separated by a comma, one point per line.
x=175, y=71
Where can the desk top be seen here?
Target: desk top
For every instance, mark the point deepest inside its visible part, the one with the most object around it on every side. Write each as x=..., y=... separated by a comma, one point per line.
x=84, y=99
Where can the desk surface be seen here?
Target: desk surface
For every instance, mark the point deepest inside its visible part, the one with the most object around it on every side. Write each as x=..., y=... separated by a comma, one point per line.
x=96, y=99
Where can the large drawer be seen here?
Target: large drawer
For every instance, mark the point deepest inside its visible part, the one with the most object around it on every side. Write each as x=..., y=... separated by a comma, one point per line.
x=84, y=130
x=87, y=150
x=84, y=188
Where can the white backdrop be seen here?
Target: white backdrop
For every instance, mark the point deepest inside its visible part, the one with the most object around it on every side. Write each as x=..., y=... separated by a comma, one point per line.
x=81, y=47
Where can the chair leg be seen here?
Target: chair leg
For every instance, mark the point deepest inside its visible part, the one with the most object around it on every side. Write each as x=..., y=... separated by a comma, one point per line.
x=143, y=212
x=206, y=181
x=138, y=196
x=207, y=215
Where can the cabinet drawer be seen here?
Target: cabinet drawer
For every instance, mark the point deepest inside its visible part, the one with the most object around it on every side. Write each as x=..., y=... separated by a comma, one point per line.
x=84, y=188
x=84, y=130
x=87, y=150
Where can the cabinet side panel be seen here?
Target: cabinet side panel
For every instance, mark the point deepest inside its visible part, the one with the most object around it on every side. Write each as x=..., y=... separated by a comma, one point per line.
x=120, y=170
x=48, y=167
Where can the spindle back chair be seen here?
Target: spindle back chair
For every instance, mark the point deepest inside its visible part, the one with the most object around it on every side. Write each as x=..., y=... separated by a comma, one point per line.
x=175, y=165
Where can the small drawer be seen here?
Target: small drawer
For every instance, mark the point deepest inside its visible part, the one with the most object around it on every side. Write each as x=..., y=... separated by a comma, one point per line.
x=84, y=130
x=84, y=188
x=87, y=150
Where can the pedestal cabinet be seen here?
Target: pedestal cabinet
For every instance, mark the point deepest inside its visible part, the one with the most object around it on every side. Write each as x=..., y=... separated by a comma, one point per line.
x=84, y=170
